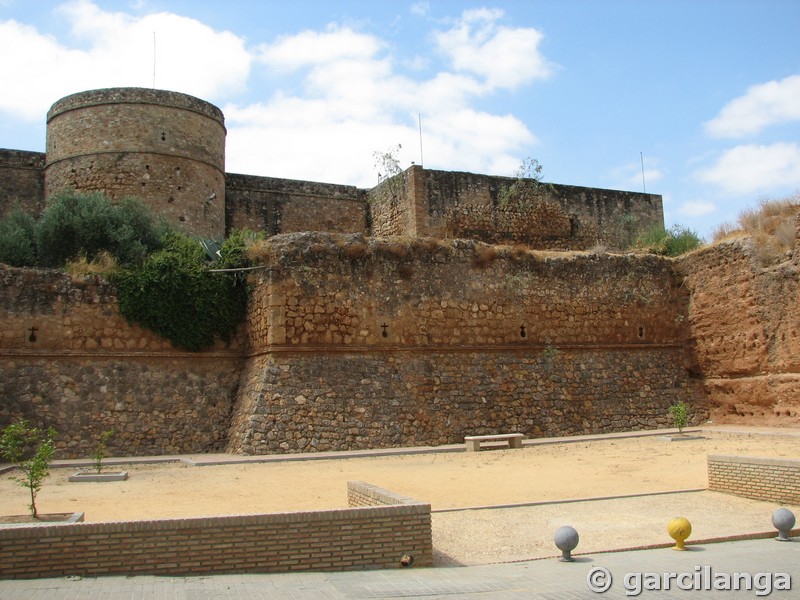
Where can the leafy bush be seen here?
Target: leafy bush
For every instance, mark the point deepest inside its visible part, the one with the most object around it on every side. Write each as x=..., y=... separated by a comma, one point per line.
x=680, y=415
x=674, y=241
x=75, y=225
x=162, y=276
x=173, y=293
x=17, y=239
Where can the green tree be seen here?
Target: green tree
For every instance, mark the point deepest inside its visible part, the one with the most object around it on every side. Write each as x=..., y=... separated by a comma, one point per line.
x=75, y=224
x=100, y=449
x=31, y=450
x=680, y=415
x=17, y=239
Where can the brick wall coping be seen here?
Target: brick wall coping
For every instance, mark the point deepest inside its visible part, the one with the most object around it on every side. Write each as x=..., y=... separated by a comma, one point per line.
x=200, y=523
x=759, y=460
x=383, y=496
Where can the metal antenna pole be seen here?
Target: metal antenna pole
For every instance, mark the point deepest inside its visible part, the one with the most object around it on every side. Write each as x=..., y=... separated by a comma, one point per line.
x=154, y=60
x=644, y=187
x=421, y=160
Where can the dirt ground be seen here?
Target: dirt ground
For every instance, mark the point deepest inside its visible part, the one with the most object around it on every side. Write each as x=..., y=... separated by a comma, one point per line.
x=550, y=472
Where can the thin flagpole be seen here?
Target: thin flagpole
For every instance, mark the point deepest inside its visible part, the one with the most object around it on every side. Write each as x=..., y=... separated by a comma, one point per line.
x=154, y=60
x=644, y=187
x=421, y=160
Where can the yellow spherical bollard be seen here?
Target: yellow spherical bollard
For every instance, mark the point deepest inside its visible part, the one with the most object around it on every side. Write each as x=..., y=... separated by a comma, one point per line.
x=679, y=529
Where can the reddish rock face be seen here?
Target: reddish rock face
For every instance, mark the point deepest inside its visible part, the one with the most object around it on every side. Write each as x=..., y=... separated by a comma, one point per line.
x=744, y=327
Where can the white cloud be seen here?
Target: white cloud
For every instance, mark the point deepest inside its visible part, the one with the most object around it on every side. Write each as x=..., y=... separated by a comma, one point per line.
x=420, y=9
x=337, y=94
x=629, y=175
x=117, y=50
x=755, y=168
x=354, y=102
x=696, y=208
x=314, y=48
x=763, y=105
x=502, y=56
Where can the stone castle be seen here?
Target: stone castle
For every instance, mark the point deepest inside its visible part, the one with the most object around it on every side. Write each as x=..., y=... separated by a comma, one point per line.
x=412, y=313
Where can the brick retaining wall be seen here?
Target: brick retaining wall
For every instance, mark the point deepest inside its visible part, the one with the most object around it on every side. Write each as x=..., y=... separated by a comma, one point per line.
x=771, y=479
x=370, y=535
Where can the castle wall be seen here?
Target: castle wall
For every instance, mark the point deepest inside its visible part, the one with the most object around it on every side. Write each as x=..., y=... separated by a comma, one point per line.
x=430, y=341
x=165, y=148
x=744, y=322
x=21, y=181
x=392, y=203
x=448, y=204
x=275, y=205
x=69, y=360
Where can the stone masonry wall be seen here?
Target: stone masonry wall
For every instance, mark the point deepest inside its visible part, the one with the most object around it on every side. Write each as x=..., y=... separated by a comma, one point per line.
x=566, y=218
x=274, y=205
x=166, y=148
x=431, y=341
x=21, y=181
x=744, y=320
x=69, y=360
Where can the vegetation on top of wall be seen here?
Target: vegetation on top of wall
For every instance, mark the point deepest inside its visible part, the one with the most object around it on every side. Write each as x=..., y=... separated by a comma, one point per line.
x=674, y=241
x=162, y=276
x=771, y=225
x=390, y=183
x=527, y=190
x=17, y=239
x=78, y=225
x=173, y=293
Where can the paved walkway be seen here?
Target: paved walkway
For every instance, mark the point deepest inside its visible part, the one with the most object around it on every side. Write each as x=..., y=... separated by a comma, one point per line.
x=701, y=566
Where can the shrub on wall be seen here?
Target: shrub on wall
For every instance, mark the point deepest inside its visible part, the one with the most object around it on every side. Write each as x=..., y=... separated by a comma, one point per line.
x=162, y=276
x=17, y=246
x=75, y=225
x=674, y=241
x=173, y=293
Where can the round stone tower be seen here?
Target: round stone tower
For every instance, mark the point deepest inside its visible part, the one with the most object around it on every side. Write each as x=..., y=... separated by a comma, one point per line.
x=165, y=148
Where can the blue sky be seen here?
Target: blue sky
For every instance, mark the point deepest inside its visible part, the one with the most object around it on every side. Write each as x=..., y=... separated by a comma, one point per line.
x=703, y=96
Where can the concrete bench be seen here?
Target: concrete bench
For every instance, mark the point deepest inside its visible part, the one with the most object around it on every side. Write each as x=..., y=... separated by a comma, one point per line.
x=473, y=442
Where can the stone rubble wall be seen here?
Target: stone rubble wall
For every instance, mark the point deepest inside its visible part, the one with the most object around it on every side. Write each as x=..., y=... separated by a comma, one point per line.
x=21, y=181
x=273, y=205
x=69, y=360
x=429, y=341
x=166, y=148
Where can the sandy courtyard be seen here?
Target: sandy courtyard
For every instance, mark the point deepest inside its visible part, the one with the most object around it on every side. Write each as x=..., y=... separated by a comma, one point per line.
x=578, y=470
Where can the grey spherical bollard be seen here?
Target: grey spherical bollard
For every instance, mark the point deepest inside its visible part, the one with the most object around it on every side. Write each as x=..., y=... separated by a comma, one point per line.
x=566, y=539
x=783, y=520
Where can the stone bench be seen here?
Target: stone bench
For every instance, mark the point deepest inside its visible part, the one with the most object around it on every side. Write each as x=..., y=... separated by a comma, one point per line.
x=473, y=442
